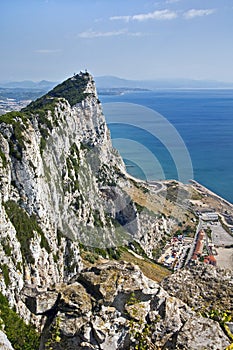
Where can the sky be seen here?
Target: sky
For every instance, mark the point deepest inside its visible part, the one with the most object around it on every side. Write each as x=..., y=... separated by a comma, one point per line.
x=133, y=39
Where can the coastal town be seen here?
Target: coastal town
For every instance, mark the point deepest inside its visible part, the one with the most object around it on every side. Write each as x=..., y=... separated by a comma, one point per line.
x=12, y=104
x=211, y=244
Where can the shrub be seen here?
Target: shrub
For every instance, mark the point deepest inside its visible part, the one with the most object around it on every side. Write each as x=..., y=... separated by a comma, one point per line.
x=91, y=258
x=4, y=161
x=6, y=246
x=19, y=122
x=5, y=273
x=21, y=336
x=25, y=226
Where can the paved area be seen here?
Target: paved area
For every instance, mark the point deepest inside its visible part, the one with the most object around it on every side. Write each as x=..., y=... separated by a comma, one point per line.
x=225, y=258
x=220, y=237
x=156, y=186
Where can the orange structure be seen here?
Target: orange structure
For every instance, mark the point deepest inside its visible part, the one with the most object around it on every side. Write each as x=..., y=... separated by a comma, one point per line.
x=210, y=260
x=199, y=245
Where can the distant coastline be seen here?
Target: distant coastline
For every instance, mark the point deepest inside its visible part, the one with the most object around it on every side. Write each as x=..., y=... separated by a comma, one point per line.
x=119, y=91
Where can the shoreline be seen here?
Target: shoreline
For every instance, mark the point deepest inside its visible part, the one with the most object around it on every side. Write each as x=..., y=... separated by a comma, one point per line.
x=204, y=189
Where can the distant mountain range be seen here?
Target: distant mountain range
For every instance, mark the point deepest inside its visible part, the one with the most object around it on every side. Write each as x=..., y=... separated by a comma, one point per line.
x=115, y=82
x=28, y=84
x=112, y=82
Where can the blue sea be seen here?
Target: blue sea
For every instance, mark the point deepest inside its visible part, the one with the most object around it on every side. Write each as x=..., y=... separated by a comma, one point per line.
x=198, y=124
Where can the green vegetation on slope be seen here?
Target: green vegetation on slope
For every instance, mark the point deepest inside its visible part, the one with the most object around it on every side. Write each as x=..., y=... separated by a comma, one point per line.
x=19, y=123
x=5, y=273
x=73, y=164
x=41, y=107
x=92, y=254
x=4, y=161
x=71, y=89
x=13, y=118
x=25, y=226
x=149, y=268
x=21, y=336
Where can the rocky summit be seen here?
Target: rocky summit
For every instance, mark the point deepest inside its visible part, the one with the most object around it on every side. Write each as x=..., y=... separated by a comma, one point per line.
x=79, y=238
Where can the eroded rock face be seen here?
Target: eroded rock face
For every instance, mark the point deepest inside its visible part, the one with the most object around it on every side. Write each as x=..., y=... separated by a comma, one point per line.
x=53, y=163
x=201, y=334
x=114, y=306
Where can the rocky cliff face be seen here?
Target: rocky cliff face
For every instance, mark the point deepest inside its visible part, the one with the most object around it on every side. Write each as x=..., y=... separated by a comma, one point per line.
x=60, y=186
x=54, y=161
x=63, y=186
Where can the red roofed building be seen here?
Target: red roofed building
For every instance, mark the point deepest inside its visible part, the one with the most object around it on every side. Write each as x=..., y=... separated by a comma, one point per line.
x=199, y=245
x=210, y=260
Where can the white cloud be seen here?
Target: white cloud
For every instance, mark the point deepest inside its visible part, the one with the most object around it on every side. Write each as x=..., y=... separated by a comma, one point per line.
x=90, y=34
x=121, y=18
x=164, y=14
x=159, y=15
x=198, y=13
x=156, y=15
x=47, y=51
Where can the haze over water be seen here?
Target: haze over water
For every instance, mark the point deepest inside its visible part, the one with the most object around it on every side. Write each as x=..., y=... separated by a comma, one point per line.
x=204, y=120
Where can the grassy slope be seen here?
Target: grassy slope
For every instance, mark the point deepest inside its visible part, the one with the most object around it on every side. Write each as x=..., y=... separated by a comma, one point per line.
x=151, y=270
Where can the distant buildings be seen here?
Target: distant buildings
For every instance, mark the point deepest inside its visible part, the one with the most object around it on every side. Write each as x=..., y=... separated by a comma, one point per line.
x=198, y=250
x=11, y=104
x=210, y=260
x=199, y=245
x=209, y=216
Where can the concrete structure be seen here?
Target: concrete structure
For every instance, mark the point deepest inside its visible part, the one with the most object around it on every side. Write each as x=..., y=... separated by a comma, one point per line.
x=209, y=217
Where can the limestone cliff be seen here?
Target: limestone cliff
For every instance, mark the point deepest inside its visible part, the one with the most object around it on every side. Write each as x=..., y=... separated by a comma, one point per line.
x=55, y=158
x=62, y=187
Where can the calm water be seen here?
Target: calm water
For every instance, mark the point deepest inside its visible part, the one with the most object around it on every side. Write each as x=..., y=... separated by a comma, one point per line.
x=203, y=119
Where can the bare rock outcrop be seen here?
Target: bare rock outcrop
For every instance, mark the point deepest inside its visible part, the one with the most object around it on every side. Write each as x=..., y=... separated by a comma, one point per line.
x=202, y=287
x=114, y=306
